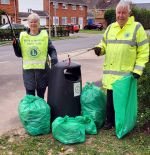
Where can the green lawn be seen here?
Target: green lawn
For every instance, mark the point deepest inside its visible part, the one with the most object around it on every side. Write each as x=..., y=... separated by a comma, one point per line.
x=52, y=38
x=92, y=31
x=64, y=38
x=136, y=143
x=5, y=42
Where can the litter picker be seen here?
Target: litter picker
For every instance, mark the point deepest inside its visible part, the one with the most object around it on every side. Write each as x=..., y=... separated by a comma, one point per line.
x=69, y=57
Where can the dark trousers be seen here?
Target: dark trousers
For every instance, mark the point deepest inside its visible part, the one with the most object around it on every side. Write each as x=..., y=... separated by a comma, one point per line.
x=40, y=92
x=110, y=113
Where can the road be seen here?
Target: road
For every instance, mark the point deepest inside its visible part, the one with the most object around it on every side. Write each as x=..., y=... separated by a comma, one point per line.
x=11, y=84
x=85, y=41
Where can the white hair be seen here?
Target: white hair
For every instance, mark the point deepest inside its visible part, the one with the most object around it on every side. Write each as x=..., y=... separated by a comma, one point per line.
x=33, y=16
x=124, y=4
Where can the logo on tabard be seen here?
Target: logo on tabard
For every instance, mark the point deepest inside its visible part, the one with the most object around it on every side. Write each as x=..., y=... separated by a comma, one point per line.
x=33, y=52
x=127, y=35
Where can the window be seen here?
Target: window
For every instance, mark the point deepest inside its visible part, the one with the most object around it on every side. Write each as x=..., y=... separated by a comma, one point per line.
x=64, y=6
x=80, y=7
x=73, y=20
x=55, y=20
x=64, y=20
x=55, y=5
x=5, y=1
x=73, y=7
x=3, y=21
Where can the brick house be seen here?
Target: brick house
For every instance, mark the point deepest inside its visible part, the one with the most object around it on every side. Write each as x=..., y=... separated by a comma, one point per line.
x=28, y=6
x=103, y=6
x=11, y=7
x=42, y=14
x=63, y=12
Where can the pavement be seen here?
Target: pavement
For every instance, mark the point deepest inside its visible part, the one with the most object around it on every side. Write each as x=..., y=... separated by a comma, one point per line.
x=91, y=71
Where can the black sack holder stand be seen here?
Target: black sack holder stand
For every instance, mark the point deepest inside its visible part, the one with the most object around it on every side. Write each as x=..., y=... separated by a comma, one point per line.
x=64, y=88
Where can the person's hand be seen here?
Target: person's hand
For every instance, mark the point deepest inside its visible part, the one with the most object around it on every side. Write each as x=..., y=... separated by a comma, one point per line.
x=136, y=76
x=97, y=50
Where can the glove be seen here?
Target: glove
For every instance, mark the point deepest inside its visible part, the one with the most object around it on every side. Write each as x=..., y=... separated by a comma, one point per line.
x=136, y=76
x=97, y=50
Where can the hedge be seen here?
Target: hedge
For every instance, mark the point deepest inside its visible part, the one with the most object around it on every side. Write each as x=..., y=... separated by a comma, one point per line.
x=141, y=15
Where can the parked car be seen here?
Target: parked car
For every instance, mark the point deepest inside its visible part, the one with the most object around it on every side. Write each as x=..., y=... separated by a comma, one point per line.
x=94, y=26
x=73, y=28
x=14, y=26
x=6, y=34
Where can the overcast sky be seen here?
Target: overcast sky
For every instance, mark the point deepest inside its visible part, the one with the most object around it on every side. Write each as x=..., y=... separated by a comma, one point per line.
x=141, y=1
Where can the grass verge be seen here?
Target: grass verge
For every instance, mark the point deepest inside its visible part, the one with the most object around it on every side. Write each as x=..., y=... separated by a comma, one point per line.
x=53, y=39
x=20, y=143
x=5, y=42
x=92, y=31
x=64, y=38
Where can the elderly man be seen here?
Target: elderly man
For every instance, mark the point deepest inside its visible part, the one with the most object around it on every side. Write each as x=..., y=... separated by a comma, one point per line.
x=126, y=50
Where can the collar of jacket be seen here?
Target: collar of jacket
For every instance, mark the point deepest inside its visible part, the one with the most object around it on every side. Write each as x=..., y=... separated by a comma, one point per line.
x=129, y=22
x=28, y=31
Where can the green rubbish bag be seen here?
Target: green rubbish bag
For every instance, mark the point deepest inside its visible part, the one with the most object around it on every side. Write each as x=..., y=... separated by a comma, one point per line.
x=125, y=105
x=93, y=103
x=68, y=131
x=34, y=114
x=90, y=127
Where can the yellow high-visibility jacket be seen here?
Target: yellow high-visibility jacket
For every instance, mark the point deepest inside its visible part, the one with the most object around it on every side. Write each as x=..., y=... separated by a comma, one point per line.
x=34, y=50
x=126, y=50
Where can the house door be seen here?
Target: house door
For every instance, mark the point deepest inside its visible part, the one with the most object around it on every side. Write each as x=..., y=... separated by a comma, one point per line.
x=80, y=22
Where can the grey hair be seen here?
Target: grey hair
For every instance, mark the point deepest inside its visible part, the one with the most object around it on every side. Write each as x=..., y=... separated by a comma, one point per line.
x=125, y=4
x=33, y=16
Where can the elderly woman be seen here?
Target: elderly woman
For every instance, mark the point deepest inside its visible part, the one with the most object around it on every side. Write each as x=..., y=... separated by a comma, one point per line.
x=34, y=47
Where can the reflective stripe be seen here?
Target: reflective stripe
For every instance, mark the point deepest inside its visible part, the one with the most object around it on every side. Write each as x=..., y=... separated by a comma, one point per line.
x=139, y=67
x=33, y=62
x=128, y=42
x=107, y=33
x=103, y=40
x=135, y=32
x=143, y=42
x=116, y=73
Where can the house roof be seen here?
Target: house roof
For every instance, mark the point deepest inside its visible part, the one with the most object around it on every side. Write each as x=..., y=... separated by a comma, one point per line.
x=108, y=4
x=91, y=3
x=143, y=5
x=90, y=15
x=76, y=2
x=40, y=13
x=23, y=14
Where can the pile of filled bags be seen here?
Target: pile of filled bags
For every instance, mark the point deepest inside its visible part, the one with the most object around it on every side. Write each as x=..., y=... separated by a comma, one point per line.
x=35, y=113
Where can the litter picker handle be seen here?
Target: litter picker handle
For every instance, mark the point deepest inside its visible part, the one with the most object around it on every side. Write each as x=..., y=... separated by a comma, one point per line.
x=69, y=57
x=14, y=36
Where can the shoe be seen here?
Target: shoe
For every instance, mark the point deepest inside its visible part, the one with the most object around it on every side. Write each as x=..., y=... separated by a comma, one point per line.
x=108, y=126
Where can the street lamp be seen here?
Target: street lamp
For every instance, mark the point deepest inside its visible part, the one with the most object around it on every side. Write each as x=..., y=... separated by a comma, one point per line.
x=55, y=19
x=15, y=18
x=49, y=6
